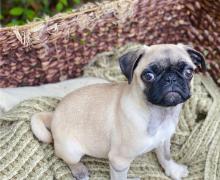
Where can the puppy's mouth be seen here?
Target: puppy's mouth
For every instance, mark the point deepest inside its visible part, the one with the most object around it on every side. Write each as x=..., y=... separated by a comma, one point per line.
x=172, y=98
x=173, y=94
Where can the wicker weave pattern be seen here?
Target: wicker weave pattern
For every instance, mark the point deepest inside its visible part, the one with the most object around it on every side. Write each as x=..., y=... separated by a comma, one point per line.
x=196, y=142
x=57, y=48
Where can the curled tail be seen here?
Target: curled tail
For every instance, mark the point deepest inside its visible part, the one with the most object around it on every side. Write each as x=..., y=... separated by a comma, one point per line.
x=40, y=123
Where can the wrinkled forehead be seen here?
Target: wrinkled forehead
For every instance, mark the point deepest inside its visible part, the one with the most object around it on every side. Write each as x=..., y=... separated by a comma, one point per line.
x=165, y=56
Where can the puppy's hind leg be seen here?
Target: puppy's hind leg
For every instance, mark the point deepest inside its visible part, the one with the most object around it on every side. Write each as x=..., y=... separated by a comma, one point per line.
x=71, y=152
x=79, y=171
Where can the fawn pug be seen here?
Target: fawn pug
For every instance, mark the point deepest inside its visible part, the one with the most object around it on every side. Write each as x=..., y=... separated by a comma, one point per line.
x=120, y=121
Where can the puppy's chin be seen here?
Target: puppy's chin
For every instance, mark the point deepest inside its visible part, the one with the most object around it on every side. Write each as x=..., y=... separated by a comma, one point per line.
x=170, y=99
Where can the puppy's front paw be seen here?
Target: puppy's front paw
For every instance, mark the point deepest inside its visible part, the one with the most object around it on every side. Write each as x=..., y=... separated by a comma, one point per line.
x=176, y=171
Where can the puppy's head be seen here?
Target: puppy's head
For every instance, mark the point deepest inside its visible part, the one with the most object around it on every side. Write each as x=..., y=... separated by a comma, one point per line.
x=163, y=72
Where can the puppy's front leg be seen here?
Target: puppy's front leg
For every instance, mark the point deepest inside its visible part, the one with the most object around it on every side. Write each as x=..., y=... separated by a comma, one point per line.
x=119, y=165
x=172, y=169
x=118, y=174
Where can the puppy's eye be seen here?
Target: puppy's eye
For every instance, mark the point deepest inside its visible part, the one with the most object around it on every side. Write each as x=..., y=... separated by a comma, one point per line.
x=148, y=76
x=188, y=73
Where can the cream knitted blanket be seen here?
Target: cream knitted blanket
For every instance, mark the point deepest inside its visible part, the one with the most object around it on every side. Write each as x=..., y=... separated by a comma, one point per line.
x=196, y=142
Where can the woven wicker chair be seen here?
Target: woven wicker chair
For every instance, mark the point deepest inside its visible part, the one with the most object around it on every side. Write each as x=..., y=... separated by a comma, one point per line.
x=57, y=48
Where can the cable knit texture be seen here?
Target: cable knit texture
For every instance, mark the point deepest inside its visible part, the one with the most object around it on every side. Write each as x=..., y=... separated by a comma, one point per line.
x=196, y=142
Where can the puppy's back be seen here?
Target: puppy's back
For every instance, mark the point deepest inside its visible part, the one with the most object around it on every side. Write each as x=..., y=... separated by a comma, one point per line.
x=87, y=115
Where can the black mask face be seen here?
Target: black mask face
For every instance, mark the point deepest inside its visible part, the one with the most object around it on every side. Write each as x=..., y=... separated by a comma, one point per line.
x=167, y=85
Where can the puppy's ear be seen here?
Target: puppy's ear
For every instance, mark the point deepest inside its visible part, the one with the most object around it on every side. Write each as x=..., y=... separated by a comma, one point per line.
x=129, y=61
x=197, y=57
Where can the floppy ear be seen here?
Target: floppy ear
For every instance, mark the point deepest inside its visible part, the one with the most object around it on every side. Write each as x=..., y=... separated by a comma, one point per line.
x=197, y=57
x=129, y=61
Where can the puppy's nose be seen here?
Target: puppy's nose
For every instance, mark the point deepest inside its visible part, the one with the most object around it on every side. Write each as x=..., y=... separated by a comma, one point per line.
x=171, y=78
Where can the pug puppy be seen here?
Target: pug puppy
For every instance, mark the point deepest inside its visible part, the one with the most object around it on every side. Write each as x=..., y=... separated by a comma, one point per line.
x=120, y=121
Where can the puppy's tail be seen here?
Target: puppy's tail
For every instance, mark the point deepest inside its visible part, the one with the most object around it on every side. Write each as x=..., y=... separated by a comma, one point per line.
x=40, y=125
